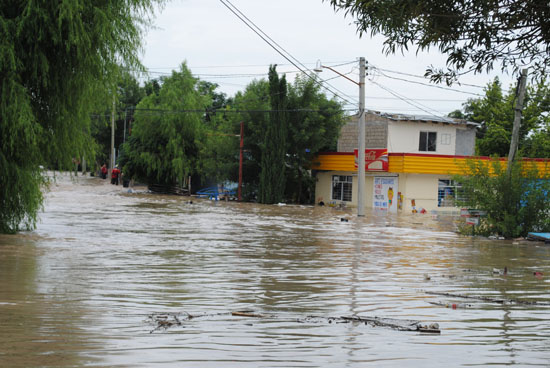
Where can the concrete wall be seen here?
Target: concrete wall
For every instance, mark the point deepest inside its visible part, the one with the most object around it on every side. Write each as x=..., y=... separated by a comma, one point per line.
x=465, y=142
x=376, y=133
x=423, y=188
x=404, y=136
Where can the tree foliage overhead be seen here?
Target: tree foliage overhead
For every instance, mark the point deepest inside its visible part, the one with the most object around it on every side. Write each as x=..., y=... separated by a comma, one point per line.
x=55, y=57
x=476, y=35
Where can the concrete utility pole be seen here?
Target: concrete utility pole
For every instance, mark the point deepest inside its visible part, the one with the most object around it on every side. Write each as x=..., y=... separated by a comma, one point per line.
x=241, y=145
x=520, y=95
x=361, y=135
x=361, y=143
x=113, y=136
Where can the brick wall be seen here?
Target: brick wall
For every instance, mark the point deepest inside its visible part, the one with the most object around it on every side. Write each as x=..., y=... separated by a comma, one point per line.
x=376, y=133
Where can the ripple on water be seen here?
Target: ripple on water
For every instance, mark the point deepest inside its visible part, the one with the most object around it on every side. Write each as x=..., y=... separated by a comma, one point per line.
x=78, y=290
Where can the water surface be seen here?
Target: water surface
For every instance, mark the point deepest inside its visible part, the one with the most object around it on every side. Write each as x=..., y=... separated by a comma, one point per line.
x=78, y=290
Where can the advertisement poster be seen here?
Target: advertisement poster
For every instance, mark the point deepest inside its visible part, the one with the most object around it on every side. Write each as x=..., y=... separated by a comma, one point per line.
x=385, y=193
x=375, y=159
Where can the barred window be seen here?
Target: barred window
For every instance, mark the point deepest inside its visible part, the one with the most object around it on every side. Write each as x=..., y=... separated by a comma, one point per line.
x=448, y=192
x=341, y=187
x=428, y=141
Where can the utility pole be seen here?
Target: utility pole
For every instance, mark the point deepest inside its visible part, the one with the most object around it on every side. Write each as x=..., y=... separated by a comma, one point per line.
x=125, y=118
x=361, y=143
x=113, y=135
x=361, y=135
x=241, y=145
x=520, y=95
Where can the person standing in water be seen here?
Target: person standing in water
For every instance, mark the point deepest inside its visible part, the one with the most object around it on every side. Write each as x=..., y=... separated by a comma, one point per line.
x=115, y=175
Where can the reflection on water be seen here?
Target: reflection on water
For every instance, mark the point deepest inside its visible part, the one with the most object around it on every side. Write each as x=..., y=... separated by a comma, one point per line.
x=78, y=290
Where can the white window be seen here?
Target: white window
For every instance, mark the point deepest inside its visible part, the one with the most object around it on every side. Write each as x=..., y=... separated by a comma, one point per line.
x=448, y=192
x=445, y=139
x=341, y=187
x=428, y=141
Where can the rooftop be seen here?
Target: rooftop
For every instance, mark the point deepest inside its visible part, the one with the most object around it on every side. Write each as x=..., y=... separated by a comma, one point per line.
x=424, y=118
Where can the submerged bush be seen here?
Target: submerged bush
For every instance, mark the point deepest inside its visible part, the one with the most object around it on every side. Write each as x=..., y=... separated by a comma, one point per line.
x=516, y=203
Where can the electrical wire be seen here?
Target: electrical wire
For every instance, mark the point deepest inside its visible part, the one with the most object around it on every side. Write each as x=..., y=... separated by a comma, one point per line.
x=426, y=84
x=341, y=63
x=423, y=77
x=154, y=112
x=280, y=50
x=408, y=101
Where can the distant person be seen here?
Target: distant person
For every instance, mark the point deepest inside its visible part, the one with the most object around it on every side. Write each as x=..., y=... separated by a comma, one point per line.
x=115, y=174
x=104, y=171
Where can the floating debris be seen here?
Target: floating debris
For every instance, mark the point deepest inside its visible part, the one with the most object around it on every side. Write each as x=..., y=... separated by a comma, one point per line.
x=503, y=272
x=490, y=300
x=452, y=305
x=164, y=321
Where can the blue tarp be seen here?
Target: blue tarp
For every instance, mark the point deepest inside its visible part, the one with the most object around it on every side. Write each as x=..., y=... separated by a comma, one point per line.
x=539, y=236
x=215, y=191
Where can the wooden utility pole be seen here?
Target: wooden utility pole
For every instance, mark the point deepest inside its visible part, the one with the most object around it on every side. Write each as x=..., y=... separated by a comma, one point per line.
x=520, y=95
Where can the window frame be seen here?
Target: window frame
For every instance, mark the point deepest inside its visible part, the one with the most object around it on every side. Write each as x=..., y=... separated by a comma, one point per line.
x=427, y=141
x=448, y=194
x=345, y=188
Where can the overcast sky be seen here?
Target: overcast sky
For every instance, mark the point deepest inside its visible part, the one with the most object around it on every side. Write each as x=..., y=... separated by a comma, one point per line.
x=220, y=48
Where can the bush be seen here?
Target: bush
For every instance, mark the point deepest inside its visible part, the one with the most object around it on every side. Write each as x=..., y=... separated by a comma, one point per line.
x=516, y=203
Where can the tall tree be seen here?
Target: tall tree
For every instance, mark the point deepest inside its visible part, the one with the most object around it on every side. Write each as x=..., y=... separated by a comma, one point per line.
x=167, y=132
x=272, y=175
x=314, y=123
x=474, y=34
x=495, y=113
x=128, y=94
x=252, y=104
x=314, y=126
x=55, y=57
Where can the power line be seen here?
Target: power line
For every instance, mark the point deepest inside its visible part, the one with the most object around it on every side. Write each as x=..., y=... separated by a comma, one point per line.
x=150, y=112
x=408, y=101
x=332, y=64
x=423, y=77
x=285, y=54
x=426, y=84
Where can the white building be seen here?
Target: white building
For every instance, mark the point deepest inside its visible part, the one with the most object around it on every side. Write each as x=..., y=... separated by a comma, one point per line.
x=409, y=162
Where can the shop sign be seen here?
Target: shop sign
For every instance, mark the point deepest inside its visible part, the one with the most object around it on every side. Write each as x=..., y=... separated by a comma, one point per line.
x=375, y=159
x=385, y=193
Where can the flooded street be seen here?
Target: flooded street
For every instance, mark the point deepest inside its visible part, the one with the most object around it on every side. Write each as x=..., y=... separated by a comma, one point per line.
x=79, y=290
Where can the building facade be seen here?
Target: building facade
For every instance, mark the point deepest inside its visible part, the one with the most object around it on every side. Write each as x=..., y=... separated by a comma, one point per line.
x=409, y=163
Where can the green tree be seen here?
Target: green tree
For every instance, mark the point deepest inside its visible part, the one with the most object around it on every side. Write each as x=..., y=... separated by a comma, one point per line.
x=314, y=123
x=129, y=94
x=274, y=147
x=55, y=57
x=167, y=134
x=495, y=114
x=250, y=107
x=474, y=34
x=516, y=204
x=314, y=126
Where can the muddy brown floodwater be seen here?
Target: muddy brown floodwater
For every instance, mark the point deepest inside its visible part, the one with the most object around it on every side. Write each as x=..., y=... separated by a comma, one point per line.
x=80, y=289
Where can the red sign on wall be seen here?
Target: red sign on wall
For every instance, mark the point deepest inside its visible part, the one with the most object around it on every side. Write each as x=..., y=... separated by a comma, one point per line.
x=375, y=159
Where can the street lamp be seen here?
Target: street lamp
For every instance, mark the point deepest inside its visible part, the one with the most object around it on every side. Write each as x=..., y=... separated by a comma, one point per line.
x=361, y=138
